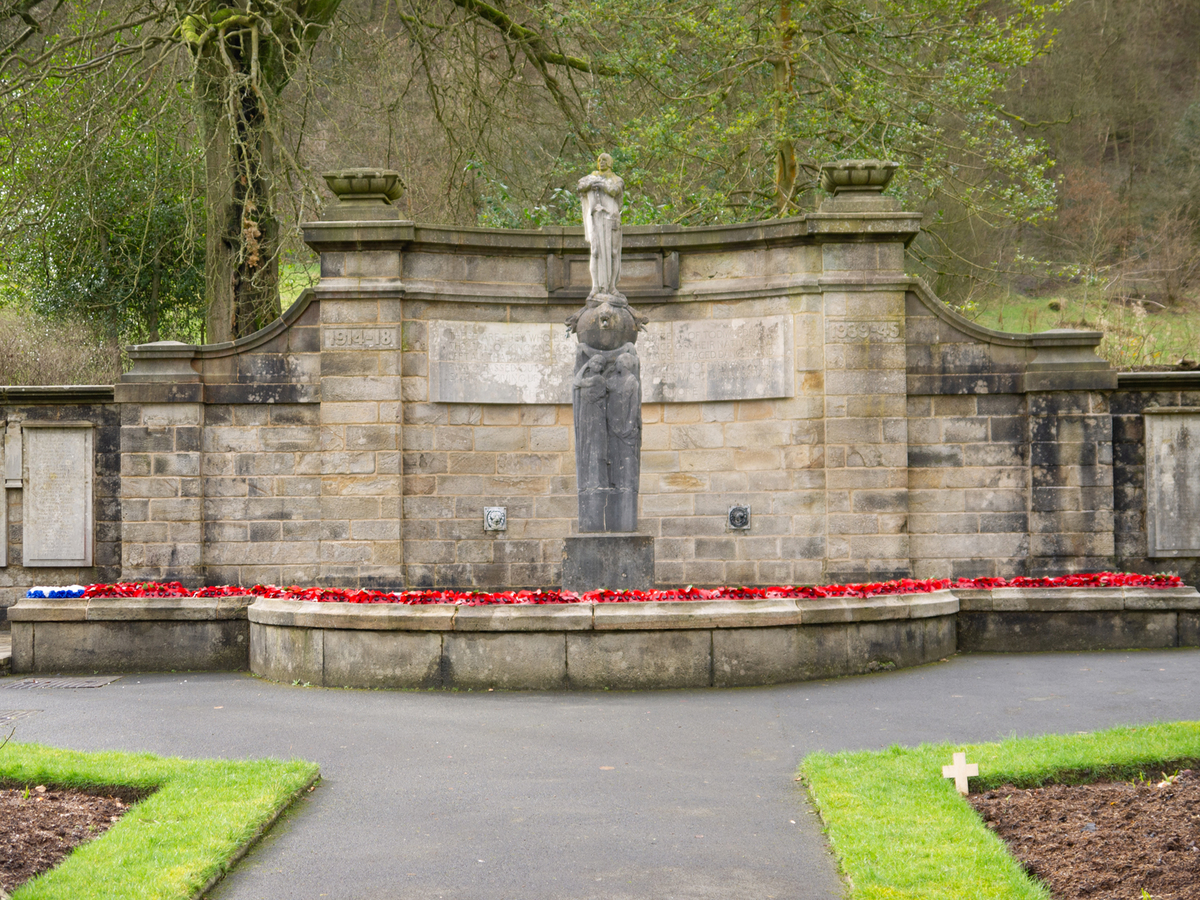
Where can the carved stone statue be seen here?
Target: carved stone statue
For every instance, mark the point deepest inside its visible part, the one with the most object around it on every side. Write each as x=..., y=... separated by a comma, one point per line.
x=602, y=192
x=607, y=393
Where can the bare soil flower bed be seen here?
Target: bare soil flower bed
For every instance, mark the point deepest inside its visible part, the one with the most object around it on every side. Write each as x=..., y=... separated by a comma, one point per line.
x=39, y=826
x=1105, y=841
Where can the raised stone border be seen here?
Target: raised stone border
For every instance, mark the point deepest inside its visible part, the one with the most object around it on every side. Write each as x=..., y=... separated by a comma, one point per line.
x=124, y=634
x=1043, y=619
x=591, y=646
x=587, y=646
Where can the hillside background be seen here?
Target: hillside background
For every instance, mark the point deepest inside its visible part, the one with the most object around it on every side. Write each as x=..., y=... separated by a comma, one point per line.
x=102, y=230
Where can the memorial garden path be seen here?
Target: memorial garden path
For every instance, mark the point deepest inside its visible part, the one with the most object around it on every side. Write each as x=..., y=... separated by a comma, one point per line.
x=665, y=794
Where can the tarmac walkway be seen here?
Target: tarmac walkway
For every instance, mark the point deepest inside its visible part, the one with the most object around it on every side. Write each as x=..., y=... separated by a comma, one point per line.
x=665, y=794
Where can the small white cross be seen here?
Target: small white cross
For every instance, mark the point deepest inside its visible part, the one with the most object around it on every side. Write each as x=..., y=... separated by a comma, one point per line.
x=959, y=772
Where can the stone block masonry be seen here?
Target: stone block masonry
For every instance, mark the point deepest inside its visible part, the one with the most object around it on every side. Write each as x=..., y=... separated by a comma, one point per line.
x=793, y=369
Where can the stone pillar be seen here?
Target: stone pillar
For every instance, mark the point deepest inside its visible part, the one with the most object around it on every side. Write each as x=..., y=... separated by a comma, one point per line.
x=1071, y=514
x=162, y=413
x=360, y=290
x=862, y=236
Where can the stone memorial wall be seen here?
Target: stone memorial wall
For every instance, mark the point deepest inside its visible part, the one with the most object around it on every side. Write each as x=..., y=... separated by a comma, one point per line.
x=791, y=368
x=62, y=481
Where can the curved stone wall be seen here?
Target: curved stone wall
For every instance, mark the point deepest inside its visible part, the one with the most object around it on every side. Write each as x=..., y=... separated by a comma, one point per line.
x=589, y=646
x=593, y=646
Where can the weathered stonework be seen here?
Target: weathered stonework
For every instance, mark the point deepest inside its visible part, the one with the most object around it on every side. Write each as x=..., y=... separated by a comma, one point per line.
x=887, y=434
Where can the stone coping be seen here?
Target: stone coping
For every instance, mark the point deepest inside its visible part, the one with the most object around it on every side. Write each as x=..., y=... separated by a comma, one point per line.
x=135, y=609
x=38, y=395
x=591, y=616
x=1066, y=599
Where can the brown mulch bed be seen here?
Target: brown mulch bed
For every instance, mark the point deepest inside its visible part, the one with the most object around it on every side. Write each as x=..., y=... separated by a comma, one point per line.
x=1106, y=841
x=38, y=830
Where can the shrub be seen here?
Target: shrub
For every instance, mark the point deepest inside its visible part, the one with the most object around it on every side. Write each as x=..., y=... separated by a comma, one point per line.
x=36, y=350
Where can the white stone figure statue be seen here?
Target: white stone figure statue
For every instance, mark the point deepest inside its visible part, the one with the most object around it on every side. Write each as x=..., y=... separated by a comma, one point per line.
x=601, y=193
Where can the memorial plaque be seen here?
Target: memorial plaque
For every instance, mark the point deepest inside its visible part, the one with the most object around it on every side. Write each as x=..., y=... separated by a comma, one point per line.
x=1173, y=482
x=57, y=509
x=689, y=361
x=3, y=514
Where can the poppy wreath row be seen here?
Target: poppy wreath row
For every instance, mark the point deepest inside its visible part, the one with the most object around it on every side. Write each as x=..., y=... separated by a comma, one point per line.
x=477, y=598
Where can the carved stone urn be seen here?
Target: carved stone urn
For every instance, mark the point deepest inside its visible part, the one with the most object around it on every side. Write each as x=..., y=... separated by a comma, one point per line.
x=363, y=193
x=857, y=176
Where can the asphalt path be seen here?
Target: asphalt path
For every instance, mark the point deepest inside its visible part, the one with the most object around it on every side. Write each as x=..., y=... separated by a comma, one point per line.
x=663, y=794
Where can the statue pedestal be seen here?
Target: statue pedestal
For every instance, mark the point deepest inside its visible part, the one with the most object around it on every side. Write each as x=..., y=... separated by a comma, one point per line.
x=618, y=562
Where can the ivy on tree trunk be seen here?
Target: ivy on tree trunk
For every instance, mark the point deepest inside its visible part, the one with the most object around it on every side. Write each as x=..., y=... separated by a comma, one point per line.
x=244, y=58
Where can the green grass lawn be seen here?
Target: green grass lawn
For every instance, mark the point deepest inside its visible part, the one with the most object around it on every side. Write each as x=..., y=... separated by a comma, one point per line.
x=294, y=278
x=1132, y=336
x=199, y=820
x=901, y=831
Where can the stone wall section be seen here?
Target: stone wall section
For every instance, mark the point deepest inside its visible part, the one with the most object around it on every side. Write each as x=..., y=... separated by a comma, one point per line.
x=866, y=429
x=261, y=483
x=15, y=578
x=359, y=501
x=1071, y=488
x=968, y=485
x=698, y=460
x=162, y=492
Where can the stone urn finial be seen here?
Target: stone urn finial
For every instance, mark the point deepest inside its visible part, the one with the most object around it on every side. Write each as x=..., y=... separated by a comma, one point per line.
x=857, y=176
x=363, y=193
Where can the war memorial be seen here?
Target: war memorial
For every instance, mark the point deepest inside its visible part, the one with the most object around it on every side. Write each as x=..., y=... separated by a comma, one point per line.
x=773, y=403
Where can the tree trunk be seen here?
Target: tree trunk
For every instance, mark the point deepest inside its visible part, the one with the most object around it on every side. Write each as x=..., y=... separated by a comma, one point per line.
x=242, y=234
x=785, y=150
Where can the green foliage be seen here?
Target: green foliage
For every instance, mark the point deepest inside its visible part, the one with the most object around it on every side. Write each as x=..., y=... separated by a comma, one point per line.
x=101, y=208
x=168, y=846
x=123, y=250
x=498, y=208
x=721, y=108
x=901, y=832
x=37, y=350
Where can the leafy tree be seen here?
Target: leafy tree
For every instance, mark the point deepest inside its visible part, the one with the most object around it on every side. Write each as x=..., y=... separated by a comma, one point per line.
x=123, y=246
x=717, y=110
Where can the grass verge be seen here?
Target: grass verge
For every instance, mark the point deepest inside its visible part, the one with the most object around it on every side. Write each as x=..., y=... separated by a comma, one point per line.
x=180, y=840
x=901, y=831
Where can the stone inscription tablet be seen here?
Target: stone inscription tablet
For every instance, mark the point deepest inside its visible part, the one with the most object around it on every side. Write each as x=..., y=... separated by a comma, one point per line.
x=690, y=361
x=1173, y=483
x=57, y=509
x=3, y=515
x=361, y=338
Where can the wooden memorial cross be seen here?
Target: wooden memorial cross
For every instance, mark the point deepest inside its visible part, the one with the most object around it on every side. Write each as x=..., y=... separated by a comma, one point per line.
x=960, y=771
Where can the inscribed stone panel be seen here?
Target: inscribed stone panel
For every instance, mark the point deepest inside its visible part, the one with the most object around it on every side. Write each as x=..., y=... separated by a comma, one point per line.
x=361, y=338
x=3, y=515
x=1173, y=482
x=57, y=510
x=685, y=361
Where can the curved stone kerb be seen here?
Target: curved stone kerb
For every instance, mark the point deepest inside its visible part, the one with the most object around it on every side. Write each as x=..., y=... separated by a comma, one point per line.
x=590, y=616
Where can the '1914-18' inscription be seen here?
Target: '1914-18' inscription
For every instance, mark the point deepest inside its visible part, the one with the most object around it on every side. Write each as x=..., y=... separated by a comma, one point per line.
x=361, y=339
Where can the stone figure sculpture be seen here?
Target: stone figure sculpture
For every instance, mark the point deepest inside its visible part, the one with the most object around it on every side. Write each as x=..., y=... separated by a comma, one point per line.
x=602, y=192
x=607, y=392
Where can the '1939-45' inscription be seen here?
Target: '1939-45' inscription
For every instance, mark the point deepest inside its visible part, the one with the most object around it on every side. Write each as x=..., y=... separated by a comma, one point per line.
x=842, y=332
